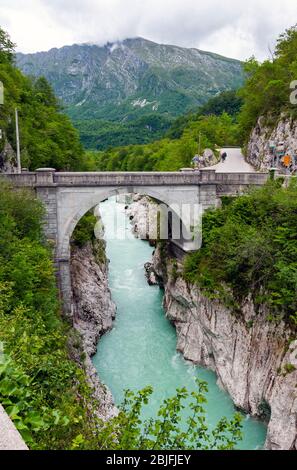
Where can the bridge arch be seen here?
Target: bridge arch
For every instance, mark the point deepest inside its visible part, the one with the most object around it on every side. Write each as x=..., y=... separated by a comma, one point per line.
x=76, y=204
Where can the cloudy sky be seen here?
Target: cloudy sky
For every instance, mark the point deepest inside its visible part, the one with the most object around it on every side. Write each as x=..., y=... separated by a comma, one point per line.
x=231, y=27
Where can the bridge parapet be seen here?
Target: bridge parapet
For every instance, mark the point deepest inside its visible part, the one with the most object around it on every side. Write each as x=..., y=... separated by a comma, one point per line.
x=242, y=178
x=49, y=177
x=126, y=179
x=27, y=179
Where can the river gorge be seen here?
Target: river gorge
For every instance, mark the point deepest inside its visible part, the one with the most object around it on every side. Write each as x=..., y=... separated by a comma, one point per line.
x=140, y=350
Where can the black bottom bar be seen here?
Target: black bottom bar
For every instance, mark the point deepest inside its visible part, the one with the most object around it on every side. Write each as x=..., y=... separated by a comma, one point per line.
x=143, y=460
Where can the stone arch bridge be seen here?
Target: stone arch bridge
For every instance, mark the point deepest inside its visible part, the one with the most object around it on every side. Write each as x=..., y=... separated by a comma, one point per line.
x=68, y=196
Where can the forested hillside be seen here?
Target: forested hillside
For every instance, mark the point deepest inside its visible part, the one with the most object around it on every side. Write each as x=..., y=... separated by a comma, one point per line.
x=188, y=136
x=101, y=134
x=48, y=139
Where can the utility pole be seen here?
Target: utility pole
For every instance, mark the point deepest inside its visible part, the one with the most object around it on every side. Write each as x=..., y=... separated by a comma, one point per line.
x=1, y=93
x=1, y=102
x=199, y=144
x=19, y=166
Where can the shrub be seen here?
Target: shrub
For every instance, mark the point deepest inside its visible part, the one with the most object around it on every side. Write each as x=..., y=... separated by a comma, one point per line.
x=84, y=231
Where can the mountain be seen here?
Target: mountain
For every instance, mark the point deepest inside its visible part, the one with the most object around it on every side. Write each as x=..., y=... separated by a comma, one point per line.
x=129, y=80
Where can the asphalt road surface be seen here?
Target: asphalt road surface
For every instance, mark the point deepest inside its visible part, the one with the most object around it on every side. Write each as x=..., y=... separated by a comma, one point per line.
x=234, y=163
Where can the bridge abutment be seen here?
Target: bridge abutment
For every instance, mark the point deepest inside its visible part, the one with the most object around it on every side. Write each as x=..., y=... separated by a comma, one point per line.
x=47, y=192
x=65, y=287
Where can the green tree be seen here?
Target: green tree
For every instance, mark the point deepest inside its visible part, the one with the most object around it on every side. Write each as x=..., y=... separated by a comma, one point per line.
x=47, y=136
x=44, y=93
x=6, y=47
x=267, y=88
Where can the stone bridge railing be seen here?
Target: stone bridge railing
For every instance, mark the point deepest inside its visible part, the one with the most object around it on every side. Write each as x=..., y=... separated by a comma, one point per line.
x=49, y=177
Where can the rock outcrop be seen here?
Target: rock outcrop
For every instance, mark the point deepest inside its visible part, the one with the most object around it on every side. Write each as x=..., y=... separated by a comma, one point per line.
x=94, y=312
x=255, y=359
x=143, y=214
x=151, y=275
x=7, y=159
x=268, y=144
x=209, y=158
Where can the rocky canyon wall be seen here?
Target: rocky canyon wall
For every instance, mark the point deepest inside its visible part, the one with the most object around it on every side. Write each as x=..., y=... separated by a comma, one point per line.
x=270, y=142
x=255, y=359
x=94, y=312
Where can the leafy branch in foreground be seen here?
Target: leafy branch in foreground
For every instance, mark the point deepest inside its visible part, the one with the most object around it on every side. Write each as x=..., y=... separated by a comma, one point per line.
x=18, y=399
x=169, y=431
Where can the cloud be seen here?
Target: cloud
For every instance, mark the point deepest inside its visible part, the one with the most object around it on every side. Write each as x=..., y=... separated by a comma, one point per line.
x=232, y=28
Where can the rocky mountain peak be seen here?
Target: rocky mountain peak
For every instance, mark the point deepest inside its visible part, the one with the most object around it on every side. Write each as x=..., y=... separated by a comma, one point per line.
x=106, y=81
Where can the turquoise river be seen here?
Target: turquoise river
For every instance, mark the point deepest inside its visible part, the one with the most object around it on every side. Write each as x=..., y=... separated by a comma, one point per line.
x=141, y=348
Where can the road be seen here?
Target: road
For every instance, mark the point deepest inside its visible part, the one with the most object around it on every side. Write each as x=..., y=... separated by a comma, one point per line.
x=235, y=162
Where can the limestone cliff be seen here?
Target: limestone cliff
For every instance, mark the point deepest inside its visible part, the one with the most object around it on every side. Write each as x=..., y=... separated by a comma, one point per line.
x=94, y=312
x=269, y=142
x=255, y=360
x=143, y=214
